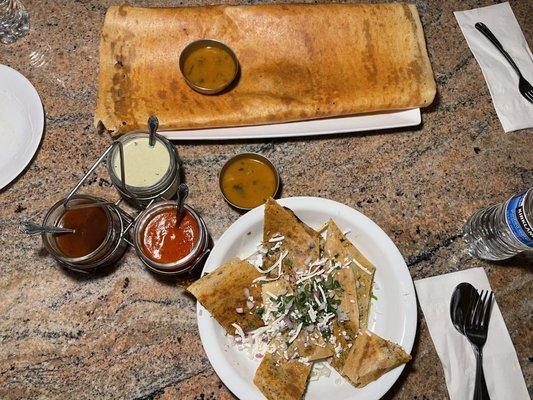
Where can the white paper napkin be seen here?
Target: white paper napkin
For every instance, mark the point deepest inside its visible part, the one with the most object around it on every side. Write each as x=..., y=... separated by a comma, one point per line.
x=502, y=371
x=513, y=110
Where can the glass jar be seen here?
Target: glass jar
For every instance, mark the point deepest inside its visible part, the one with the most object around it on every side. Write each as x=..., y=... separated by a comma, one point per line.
x=107, y=224
x=182, y=265
x=151, y=171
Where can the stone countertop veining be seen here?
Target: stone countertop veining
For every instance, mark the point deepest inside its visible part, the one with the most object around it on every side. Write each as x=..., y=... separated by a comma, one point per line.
x=127, y=334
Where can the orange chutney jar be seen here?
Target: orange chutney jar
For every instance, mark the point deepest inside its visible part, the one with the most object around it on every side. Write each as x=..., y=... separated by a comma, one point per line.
x=165, y=247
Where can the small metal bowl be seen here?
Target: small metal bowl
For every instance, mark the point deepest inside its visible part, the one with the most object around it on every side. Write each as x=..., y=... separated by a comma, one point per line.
x=255, y=156
x=198, y=44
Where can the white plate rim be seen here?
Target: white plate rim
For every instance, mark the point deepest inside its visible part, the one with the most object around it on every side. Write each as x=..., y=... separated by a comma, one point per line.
x=34, y=103
x=235, y=383
x=325, y=126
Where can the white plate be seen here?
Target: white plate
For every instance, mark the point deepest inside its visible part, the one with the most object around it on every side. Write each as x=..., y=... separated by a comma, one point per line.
x=21, y=123
x=357, y=123
x=393, y=314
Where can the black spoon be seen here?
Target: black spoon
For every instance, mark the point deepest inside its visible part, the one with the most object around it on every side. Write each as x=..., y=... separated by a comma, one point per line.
x=463, y=298
x=153, y=124
x=183, y=192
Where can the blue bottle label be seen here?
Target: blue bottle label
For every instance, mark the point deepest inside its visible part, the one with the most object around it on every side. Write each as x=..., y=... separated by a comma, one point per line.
x=517, y=220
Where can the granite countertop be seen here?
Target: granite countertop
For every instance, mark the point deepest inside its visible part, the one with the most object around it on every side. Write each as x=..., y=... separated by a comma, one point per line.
x=127, y=334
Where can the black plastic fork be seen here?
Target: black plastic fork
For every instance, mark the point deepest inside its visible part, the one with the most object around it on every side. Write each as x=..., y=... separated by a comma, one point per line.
x=475, y=329
x=524, y=87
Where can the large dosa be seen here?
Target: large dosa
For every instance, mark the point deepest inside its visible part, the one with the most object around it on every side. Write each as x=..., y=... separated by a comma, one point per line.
x=297, y=62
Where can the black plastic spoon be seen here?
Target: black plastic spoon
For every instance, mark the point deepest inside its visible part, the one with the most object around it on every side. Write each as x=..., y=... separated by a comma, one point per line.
x=153, y=124
x=463, y=298
x=183, y=192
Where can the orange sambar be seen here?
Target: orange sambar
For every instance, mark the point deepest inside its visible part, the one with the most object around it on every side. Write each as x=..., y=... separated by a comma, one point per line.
x=164, y=242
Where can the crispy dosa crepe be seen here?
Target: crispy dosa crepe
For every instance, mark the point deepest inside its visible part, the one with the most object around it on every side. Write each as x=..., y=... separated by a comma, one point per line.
x=344, y=331
x=346, y=277
x=297, y=62
x=279, y=379
x=222, y=292
x=301, y=241
x=370, y=357
x=309, y=345
x=364, y=274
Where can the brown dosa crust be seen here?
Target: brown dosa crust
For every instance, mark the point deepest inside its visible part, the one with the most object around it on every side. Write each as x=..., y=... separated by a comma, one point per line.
x=279, y=379
x=370, y=357
x=346, y=331
x=345, y=276
x=297, y=62
x=301, y=241
x=221, y=292
x=366, y=280
x=316, y=348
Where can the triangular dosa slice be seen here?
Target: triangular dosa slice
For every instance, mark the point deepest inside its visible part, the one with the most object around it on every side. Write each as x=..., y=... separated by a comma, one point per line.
x=343, y=331
x=309, y=345
x=346, y=277
x=370, y=357
x=223, y=292
x=343, y=340
x=301, y=241
x=364, y=275
x=279, y=379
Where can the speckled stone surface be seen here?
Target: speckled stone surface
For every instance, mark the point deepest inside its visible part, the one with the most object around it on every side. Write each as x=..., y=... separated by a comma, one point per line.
x=126, y=334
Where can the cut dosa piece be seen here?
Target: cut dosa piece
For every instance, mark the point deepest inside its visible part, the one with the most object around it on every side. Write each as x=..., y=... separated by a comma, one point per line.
x=370, y=357
x=279, y=379
x=364, y=274
x=301, y=241
x=348, y=307
x=222, y=293
x=311, y=346
x=275, y=288
x=343, y=340
x=298, y=62
x=270, y=290
x=344, y=329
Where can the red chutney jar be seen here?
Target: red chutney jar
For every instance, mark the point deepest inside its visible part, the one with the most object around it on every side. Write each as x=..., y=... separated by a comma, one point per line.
x=168, y=249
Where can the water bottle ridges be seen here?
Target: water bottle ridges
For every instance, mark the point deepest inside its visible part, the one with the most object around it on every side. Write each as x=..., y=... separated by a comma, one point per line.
x=488, y=234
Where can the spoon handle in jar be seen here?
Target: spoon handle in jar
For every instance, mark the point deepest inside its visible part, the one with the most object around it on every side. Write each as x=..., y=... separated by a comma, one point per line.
x=153, y=124
x=32, y=228
x=183, y=192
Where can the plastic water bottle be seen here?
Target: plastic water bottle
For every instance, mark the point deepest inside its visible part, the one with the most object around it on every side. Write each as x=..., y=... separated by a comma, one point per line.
x=502, y=230
x=14, y=21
